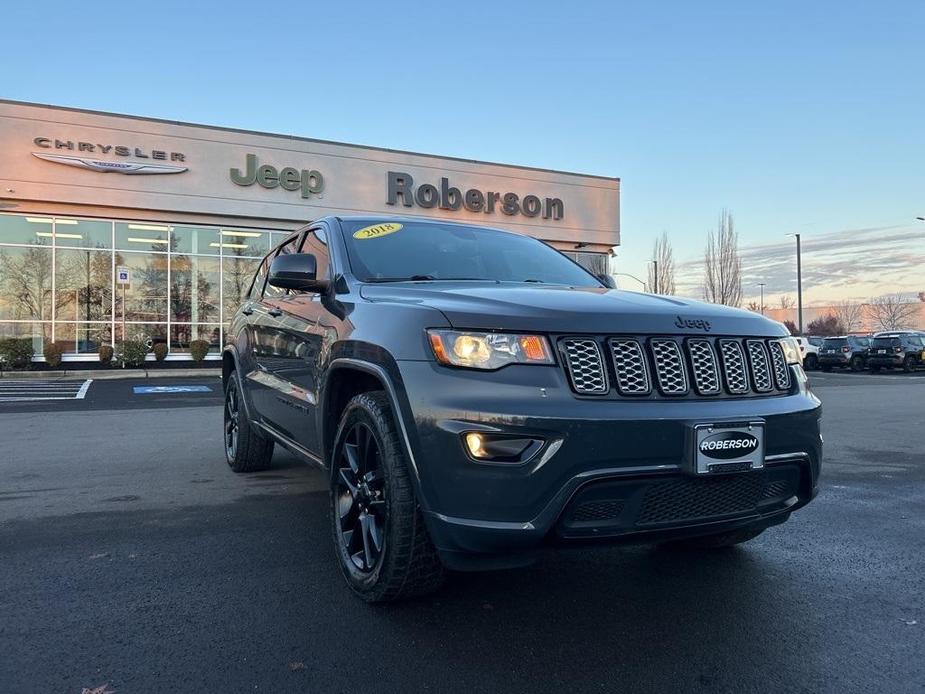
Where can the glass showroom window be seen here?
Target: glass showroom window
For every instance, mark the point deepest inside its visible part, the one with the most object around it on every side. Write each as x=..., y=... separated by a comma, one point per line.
x=245, y=243
x=181, y=335
x=25, y=283
x=83, y=285
x=83, y=338
x=142, y=236
x=146, y=296
x=195, y=287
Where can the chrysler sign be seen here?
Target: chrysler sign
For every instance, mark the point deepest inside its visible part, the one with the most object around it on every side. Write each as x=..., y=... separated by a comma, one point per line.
x=82, y=150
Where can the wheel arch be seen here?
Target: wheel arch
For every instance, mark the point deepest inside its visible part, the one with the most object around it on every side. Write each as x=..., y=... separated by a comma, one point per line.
x=347, y=377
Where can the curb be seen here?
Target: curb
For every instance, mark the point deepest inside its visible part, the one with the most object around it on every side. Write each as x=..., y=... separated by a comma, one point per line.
x=114, y=374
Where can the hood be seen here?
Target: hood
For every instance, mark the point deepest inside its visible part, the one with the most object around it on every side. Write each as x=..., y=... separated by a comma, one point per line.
x=559, y=309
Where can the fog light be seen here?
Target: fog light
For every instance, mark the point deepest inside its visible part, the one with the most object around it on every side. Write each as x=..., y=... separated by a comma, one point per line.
x=500, y=448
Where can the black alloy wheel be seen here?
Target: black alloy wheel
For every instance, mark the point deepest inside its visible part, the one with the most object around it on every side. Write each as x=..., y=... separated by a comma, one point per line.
x=857, y=364
x=232, y=421
x=909, y=365
x=361, y=498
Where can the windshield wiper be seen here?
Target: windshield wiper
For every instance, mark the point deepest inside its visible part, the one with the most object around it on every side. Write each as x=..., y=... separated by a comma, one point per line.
x=429, y=278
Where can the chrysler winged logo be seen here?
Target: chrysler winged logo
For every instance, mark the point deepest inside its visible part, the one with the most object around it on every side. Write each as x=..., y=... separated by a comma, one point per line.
x=104, y=166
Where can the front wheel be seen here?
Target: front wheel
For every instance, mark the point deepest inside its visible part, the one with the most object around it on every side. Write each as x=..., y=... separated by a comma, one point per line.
x=382, y=545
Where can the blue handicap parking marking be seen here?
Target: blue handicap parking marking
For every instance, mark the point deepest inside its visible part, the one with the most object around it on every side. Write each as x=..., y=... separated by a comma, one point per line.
x=148, y=390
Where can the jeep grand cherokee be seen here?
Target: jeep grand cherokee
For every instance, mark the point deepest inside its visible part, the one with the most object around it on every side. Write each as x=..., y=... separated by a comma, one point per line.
x=474, y=395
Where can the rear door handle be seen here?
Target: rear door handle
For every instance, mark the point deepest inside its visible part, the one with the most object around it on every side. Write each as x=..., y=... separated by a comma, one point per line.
x=275, y=312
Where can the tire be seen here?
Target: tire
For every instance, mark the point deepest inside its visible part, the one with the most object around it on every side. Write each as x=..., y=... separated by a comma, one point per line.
x=719, y=541
x=909, y=365
x=811, y=363
x=246, y=450
x=857, y=364
x=372, y=495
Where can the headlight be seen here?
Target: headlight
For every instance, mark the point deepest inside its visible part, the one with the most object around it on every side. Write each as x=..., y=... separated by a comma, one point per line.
x=488, y=350
x=791, y=350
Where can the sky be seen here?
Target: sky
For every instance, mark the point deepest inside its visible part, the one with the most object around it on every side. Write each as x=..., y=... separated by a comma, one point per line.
x=797, y=117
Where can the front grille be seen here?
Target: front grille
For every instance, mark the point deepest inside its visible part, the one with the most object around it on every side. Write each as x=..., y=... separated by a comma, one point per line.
x=585, y=366
x=669, y=366
x=675, y=367
x=630, y=363
x=690, y=498
x=758, y=361
x=591, y=511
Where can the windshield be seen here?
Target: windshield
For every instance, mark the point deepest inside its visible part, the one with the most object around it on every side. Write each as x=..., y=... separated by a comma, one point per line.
x=394, y=251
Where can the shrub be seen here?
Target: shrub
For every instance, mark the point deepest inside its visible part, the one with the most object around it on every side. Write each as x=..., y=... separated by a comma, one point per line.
x=826, y=325
x=16, y=352
x=106, y=353
x=132, y=353
x=198, y=349
x=160, y=351
x=792, y=327
x=52, y=351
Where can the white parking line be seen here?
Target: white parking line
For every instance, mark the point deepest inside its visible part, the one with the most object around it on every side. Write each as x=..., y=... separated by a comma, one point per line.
x=32, y=391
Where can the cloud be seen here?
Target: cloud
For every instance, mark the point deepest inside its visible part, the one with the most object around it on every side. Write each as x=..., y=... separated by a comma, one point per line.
x=848, y=264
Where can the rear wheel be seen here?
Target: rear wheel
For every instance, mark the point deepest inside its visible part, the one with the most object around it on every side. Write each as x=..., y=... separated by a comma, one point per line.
x=728, y=539
x=826, y=368
x=811, y=363
x=857, y=364
x=245, y=449
x=382, y=545
x=909, y=365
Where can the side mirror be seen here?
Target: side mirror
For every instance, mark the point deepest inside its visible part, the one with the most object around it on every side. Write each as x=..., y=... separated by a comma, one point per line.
x=296, y=271
x=607, y=280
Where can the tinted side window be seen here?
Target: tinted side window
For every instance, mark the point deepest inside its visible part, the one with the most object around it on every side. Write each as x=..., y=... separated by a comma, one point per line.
x=291, y=246
x=259, y=279
x=316, y=243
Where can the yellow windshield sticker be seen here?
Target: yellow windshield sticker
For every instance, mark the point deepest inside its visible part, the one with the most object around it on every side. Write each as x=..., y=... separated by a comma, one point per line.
x=376, y=230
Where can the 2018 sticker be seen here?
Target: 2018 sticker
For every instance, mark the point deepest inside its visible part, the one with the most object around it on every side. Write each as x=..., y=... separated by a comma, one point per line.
x=376, y=230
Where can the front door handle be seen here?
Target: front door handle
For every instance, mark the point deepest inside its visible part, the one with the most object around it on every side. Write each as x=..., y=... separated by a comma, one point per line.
x=275, y=312
x=247, y=310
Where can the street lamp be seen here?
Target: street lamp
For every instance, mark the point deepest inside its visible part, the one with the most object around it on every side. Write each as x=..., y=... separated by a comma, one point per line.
x=654, y=276
x=799, y=285
x=761, y=303
x=626, y=274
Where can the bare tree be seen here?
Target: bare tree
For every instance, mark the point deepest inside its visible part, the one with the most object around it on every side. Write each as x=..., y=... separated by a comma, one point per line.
x=662, y=281
x=892, y=311
x=787, y=302
x=722, y=281
x=849, y=314
x=753, y=306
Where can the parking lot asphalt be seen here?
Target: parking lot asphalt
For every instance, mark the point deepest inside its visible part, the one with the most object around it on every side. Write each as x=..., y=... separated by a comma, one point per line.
x=131, y=556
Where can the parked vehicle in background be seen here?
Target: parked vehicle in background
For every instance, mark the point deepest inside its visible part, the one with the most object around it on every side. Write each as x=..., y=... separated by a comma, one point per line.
x=899, y=350
x=844, y=352
x=809, y=352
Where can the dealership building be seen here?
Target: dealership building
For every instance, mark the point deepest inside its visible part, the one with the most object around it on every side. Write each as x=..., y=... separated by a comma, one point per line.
x=115, y=226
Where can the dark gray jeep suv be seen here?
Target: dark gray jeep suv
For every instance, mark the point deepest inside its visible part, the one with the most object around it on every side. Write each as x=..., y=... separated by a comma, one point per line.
x=474, y=395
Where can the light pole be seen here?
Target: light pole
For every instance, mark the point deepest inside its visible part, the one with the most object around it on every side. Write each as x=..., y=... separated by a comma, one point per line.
x=626, y=274
x=799, y=285
x=654, y=276
x=761, y=303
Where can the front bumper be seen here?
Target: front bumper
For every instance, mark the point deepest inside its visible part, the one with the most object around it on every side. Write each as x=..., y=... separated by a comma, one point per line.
x=610, y=450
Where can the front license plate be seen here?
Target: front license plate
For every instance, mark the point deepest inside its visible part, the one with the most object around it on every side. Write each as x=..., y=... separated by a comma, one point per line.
x=720, y=448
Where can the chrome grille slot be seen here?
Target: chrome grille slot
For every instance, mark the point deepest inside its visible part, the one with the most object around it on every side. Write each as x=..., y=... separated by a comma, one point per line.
x=781, y=369
x=669, y=366
x=758, y=361
x=629, y=363
x=705, y=369
x=585, y=367
x=734, y=372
